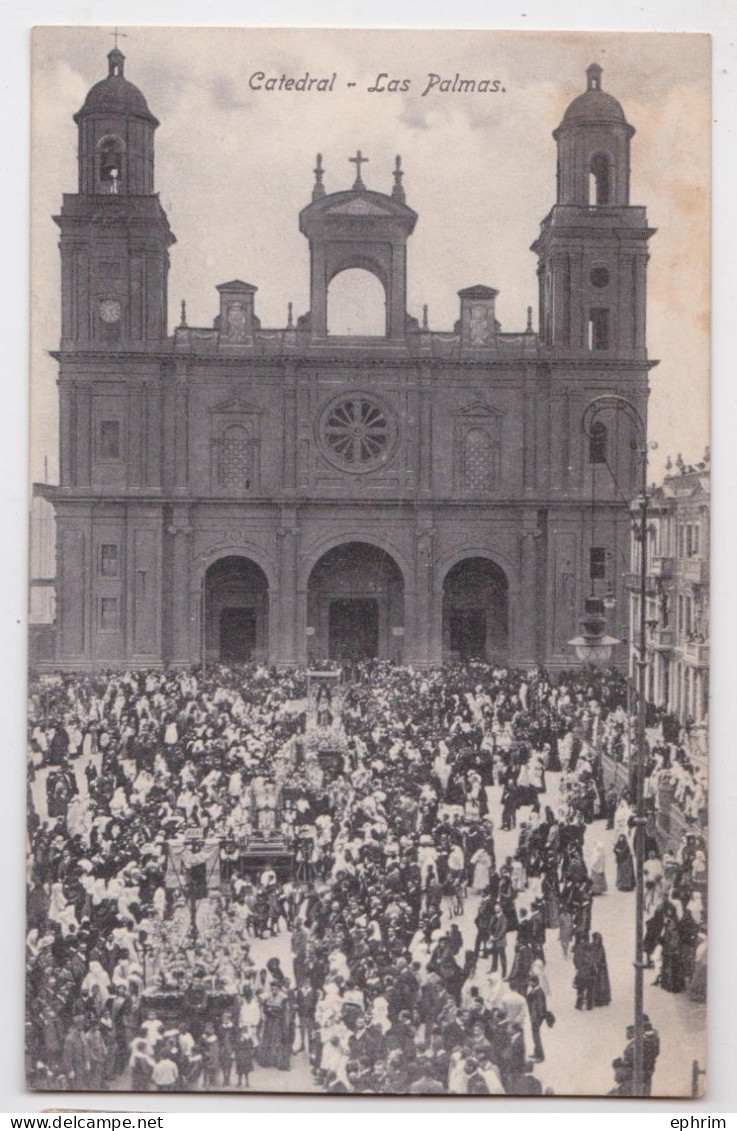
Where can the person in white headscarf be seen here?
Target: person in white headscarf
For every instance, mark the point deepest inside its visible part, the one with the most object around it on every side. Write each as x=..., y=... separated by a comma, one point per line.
x=61, y=911
x=597, y=870
x=96, y=976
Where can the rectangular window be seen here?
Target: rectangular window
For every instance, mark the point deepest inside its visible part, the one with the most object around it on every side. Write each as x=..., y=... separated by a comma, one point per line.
x=689, y=541
x=697, y=539
x=109, y=439
x=689, y=617
x=680, y=615
x=140, y=584
x=597, y=563
x=108, y=560
x=598, y=329
x=109, y=614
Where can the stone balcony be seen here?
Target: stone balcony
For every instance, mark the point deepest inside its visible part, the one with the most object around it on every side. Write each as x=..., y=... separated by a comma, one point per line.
x=662, y=639
x=662, y=567
x=695, y=571
x=696, y=652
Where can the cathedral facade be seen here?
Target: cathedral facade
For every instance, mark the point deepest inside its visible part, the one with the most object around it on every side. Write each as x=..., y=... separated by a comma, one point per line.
x=287, y=495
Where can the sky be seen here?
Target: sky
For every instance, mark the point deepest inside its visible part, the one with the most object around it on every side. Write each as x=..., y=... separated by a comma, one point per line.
x=234, y=168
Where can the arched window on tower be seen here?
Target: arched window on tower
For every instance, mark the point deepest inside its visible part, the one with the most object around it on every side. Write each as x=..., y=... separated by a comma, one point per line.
x=110, y=164
x=235, y=468
x=599, y=187
x=598, y=443
x=478, y=461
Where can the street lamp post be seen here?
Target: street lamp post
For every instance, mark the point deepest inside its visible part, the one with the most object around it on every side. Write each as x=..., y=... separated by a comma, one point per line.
x=613, y=403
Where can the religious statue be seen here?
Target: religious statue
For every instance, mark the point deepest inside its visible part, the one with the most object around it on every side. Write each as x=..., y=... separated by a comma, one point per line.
x=265, y=801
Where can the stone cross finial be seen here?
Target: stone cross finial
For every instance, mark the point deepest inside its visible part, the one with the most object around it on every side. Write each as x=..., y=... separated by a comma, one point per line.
x=116, y=35
x=358, y=161
x=398, y=191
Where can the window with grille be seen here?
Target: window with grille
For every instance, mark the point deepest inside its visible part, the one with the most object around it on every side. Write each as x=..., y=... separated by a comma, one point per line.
x=235, y=463
x=598, y=443
x=108, y=560
x=597, y=563
x=478, y=461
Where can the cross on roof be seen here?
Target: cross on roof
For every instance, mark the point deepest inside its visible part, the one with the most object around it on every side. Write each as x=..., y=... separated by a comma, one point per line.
x=116, y=35
x=358, y=161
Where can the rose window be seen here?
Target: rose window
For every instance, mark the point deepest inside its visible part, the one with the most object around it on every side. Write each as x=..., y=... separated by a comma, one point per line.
x=357, y=433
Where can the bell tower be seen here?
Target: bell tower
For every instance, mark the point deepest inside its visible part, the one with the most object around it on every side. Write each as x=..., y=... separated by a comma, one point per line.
x=592, y=248
x=114, y=233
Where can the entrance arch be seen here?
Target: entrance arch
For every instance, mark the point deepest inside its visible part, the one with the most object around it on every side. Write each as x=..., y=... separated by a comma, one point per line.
x=355, y=605
x=236, y=611
x=476, y=611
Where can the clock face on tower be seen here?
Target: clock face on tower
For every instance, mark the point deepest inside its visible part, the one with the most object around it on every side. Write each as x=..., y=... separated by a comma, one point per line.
x=110, y=310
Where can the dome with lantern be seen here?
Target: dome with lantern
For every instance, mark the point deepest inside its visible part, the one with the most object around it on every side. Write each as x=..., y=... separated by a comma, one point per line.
x=594, y=105
x=115, y=94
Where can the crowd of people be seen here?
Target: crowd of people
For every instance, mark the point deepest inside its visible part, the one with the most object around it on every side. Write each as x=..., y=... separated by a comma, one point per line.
x=135, y=983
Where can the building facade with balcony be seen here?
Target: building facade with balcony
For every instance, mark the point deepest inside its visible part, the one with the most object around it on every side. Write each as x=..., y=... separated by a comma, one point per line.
x=677, y=583
x=281, y=494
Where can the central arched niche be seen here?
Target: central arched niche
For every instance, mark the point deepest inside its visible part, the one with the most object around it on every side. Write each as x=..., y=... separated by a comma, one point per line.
x=356, y=304
x=355, y=605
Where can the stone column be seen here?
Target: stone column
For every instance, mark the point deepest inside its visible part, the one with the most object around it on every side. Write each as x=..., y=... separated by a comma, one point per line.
x=285, y=616
x=397, y=297
x=181, y=432
x=526, y=643
x=318, y=293
x=185, y=647
x=426, y=647
x=425, y=452
x=289, y=461
x=529, y=461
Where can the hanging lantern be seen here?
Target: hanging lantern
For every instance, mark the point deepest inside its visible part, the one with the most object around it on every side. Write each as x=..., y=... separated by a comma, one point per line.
x=593, y=646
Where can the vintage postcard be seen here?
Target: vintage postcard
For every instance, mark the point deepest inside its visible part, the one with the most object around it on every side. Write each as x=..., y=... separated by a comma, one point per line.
x=369, y=645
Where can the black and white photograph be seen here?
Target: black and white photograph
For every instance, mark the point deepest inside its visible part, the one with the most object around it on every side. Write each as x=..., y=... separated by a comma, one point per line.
x=369, y=625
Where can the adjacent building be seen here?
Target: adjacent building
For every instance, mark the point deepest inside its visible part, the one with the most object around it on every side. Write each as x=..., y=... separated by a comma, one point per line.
x=677, y=580
x=234, y=491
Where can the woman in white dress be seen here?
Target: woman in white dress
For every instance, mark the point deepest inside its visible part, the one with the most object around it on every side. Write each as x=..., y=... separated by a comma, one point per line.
x=481, y=876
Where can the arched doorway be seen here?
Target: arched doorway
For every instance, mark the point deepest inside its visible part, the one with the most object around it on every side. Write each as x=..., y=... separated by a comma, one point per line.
x=355, y=605
x=475, y=611
x=236, y=611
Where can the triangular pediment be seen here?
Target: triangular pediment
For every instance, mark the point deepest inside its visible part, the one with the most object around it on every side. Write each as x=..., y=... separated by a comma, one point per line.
x=479, y=408
x=359, y=206
x=235, y=407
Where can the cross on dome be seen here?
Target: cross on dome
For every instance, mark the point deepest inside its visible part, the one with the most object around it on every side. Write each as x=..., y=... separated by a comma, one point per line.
x=358, y=161
x=116, y=58
x=593, y=76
